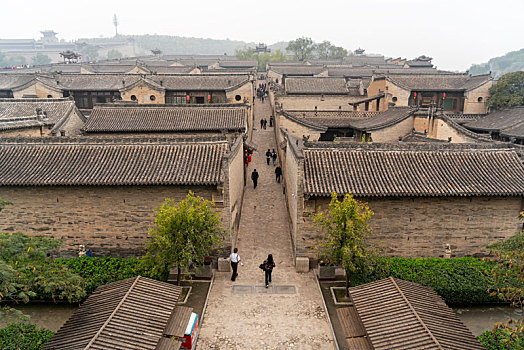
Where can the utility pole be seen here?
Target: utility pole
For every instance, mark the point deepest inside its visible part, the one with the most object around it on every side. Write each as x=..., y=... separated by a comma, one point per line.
x=115, y=23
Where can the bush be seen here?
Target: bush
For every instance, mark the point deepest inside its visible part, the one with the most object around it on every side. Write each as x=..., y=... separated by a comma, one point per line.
x=100, y=271
x=24, y=336
x=456, y=280
x=502, y=339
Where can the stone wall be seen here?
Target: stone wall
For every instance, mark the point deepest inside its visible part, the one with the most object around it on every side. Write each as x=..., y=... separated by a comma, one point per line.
x=293, y=173
x=421, y=227
x=110, y=220
x=26, y=132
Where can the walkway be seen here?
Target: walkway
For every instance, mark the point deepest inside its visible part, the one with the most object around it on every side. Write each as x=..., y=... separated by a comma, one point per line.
x=265, y=321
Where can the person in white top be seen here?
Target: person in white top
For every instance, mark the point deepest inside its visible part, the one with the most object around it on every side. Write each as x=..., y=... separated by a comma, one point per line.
x=235, y=259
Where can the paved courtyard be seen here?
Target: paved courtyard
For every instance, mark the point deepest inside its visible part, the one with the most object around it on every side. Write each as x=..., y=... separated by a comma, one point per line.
x=290, y=314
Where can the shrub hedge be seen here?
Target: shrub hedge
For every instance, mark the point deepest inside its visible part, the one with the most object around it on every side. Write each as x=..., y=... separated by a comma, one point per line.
x=456, y=280
x=24, y=336
x=100, y=271
x=502, y=339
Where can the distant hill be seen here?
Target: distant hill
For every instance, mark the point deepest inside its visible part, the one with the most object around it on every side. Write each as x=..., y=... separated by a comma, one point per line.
x=175, y=45
x=510, y=62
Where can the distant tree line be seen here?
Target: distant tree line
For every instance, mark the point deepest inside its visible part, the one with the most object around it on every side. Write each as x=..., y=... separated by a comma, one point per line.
x=498, y=66
x=305, y=48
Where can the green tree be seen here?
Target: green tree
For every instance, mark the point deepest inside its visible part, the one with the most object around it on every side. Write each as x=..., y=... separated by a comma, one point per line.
x=24, y=336
x=4, y=203
x=302, y=48
x=346, y=235
x=183, y=235
x=91, y=52
x=16, y=60
x=40, y=59
x=337, y=52
x=246, y=54
x=112, y=54
x=508, y=91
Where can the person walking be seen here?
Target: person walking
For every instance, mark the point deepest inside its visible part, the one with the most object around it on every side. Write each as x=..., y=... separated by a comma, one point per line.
x=268, y=156
x=271, y=121
x=268, y=265
x=278, y=173
x=254, y=177
x=274, y=157
x=235, y=259
x=265, y=123
x=261, y=124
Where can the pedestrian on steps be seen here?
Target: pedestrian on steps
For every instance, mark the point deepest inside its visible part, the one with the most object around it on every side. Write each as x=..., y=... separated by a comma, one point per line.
x=254, y=177
x=265, y=123
x=278, y=173
x=235, y=259
x=268, y=265
x=274, y=157
x=268, y=156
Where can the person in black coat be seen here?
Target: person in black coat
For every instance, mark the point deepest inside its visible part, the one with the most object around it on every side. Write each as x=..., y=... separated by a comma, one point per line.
x=254, y=177
x=278, y=173
x=268, y=156
x=268, y=265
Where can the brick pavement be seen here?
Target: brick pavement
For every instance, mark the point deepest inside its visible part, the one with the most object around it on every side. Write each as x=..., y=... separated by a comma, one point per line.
x=265, y=321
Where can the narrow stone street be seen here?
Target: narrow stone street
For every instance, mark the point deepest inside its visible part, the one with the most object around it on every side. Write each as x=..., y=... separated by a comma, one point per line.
x=290, y=313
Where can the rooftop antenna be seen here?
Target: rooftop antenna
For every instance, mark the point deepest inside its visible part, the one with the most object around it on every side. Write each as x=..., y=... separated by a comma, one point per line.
x=115, y=23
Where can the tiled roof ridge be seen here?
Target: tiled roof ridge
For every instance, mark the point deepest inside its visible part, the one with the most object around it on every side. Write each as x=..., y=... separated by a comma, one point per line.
x=61, y=99
x=109, y=140
x=415, y=313
x=303, y=122
x=177, y=106
x=113, y=313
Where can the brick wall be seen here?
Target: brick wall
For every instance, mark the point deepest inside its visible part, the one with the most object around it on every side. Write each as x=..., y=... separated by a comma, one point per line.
x=392, y=133
x=472, y=105
x=236, y=182
x=38, y=89
x=143, y=93
x=308, y=102
x=421, y=227
x=111, y=220
x=297, y=130
x=245, y=92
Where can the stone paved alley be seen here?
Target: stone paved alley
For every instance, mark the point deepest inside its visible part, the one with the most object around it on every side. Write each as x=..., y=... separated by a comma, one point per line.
x=265, y=321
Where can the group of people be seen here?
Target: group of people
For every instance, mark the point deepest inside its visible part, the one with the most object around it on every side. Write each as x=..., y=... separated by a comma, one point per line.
x=262, y=92
x=271, y=155
x=263, y=122
x=267, y=266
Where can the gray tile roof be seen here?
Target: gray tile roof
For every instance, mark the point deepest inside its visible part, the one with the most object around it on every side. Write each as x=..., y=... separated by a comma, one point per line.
x=317, y=85
x=498, y=120
x=239, y=64
x=128, y=314
x=22, y=113
x=408, y=169
x=8, y=81
x=166, y=118
x=201, y=82
x=297, y=70
x=106, y=162
x=397, y=315
x=438, y=82
x=383, y=119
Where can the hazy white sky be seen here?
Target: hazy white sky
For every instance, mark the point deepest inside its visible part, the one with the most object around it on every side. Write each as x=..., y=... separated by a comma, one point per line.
x=456, y=33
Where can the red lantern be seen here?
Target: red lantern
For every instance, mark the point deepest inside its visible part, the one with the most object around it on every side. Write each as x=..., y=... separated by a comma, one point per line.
x=187, y=98
x=209, y=98
x=414, y=95
x=443, y=95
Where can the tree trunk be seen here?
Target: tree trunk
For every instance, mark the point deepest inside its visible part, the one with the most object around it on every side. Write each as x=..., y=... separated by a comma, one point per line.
x=347, y=283
x=179, y=275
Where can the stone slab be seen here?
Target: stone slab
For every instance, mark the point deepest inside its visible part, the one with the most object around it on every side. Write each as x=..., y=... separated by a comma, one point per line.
x=285, y=290
x=302, y=264
x=224, y=265
x=239, y=289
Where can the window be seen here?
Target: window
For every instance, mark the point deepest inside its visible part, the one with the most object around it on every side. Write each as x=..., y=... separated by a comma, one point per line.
x=394, y=99
x=366, y=106
x=238, y=97
x=100, y=99
x=49, y=96
x=479, y=99
x=133, y=98
x=176, y=98
x=152, y=97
